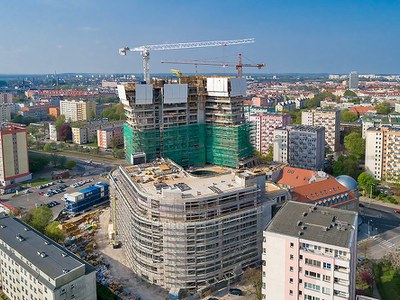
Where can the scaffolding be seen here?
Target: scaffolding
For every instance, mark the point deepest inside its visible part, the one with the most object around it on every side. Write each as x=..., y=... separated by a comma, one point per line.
x=227, y=145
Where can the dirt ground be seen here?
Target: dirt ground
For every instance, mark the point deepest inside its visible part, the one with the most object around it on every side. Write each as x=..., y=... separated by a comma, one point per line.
x=119, y=266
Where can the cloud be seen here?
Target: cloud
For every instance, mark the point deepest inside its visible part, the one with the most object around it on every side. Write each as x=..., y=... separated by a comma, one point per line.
x=89, y=29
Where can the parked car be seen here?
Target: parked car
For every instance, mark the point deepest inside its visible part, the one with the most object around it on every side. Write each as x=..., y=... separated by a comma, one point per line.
x=397, y=211
x=236, y=292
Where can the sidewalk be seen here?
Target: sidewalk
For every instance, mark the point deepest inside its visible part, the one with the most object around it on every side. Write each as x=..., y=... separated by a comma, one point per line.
x=378, y=202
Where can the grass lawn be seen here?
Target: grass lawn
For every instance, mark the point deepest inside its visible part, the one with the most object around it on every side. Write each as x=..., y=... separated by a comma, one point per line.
x=39, y=181
x=388, y=283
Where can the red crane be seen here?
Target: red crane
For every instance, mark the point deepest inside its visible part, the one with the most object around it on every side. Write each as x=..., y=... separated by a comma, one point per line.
x=239, y=66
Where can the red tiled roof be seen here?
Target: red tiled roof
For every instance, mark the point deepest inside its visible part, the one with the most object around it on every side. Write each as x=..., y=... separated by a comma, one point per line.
x=362, y=109
x=321, y=191
x=294, y=177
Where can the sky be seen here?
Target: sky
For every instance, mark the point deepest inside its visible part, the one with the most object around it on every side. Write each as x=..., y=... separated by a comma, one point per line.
x=321, y=36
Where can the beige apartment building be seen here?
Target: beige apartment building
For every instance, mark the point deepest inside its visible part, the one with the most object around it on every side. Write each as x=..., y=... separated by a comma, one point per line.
x=310, y=253
x=330, y=120
x=75, y=110
x=382, y=152
x=109, y=137
x=34, y=267
x=14, y=164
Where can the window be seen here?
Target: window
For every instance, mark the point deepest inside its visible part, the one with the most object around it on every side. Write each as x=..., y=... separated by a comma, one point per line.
x=326, y=290
x=327, y=266
x=312, y=274
x=312, y=286
x=291, y=256
x=312, y=262
x=291, y=269
x=291, y=292
x=326, y=278
x=291, y=280
x=291, y=245
x=308, y=297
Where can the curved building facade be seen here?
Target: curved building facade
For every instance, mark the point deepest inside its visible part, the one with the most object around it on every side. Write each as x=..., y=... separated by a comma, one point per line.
x=186, y=232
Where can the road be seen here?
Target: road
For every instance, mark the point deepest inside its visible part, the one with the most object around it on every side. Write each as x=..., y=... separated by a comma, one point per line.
x=380, y=231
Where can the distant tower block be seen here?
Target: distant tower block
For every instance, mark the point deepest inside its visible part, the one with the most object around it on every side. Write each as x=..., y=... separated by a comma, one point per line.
x=353, y=81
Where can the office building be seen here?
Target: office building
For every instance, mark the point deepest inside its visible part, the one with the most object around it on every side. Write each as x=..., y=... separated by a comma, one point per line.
x=75, y=110
x=310, y=252
x=382, y=153
x=263, y=128
x=353, y=81
x=14, y=164
x=33, y=266
x=191, y=231
x=301, y=146
x=330, y=120
x=200, y=120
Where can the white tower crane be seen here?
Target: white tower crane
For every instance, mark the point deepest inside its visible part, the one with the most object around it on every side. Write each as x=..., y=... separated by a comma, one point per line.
x=145, y=50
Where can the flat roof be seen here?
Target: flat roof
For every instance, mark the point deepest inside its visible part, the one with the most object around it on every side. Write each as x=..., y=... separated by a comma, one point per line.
x=315, y=223
x=45, y=254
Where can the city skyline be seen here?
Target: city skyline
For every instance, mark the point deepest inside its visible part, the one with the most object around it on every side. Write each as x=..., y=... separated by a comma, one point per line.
x=45, y=36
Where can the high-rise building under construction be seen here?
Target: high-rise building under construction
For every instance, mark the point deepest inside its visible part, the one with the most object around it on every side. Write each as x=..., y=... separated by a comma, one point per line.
x=196, y=121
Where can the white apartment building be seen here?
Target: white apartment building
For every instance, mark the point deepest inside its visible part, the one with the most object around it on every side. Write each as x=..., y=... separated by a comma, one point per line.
x=301, y=146
x=310, y=253
x=75, y=110
x=330, y=120
x=5, y=112
x=263, y=128
x=33, y=267
x=353, y=80
x=6, y=97
x=382, y=152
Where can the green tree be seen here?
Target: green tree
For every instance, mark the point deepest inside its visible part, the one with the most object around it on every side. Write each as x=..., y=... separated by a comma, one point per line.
x=383, y=108
x=366, y=181
x=53, y=231
x=349, y=93
x=355, y=144
x=316, y=101
x=348, y=116
x=37, y=162
x=92, y=115
x=47, y=148
x=41, y=217
x=60, y=121
x=114, y=113
x=346, y=165
x=62, y=160
x=70, y=164
x=54, y=158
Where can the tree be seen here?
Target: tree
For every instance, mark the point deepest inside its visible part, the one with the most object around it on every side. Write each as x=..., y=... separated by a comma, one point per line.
x=316, y=101
x=383, y=108
x=70, y=164
x=54, y=158
x=349, y=93
x=60, y=121
x=53, y=231
x=393, y=257
x=346, y=165
x=41, y=217
x=366, y=181
x=114, y=113
x=92, y=115
x=37, y=162
x=355, y=144
x=64, y=132
x=253, y=277
x=47, y=148
x=62, y=160
x=348, y=116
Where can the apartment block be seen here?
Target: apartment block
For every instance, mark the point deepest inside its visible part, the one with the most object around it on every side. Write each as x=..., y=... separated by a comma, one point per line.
x=6, y=97
x=191, y=231
x=310, y=252
x=263, y=128
x=301, y=146
x=111, y=136
x=34, y=267
x=75, y=110
x=5, y=112
x=54, y=111
x=87, y=132
x=392, y=120
x=199, y=120
x=382, y=152
x=353, y=80
x=14, y=164
x=330, y=120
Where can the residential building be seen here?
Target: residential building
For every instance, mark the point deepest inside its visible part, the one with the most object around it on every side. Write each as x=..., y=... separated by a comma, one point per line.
x=310, y=252
x=188, y=231
x=382, y=152
x=330, y=120
x=329, y=192
x=200, y=120
x=291, y=177
x=111, y=136
x=397, y=107
x=54, y=111
x=363, y=110
x=301, y=146
x=75, y=110
x=353, y=81
x=263, y=128
x=33, y=266
x=5, y=112
x=290, y=105
x=14, y=164
x=87, y=132
x=368, y=121
x=6, y=97
x=53, y=133
x=40, y=112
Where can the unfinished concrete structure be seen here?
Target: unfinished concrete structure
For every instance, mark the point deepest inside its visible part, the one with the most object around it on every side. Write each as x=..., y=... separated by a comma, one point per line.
x=182, y=231
x=200, y=120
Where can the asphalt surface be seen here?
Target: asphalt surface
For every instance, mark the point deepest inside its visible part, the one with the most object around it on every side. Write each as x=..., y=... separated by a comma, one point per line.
x=380, y=230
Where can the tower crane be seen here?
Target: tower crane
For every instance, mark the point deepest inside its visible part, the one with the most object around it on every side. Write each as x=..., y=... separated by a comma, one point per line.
x=239, y=66
x=145, y=50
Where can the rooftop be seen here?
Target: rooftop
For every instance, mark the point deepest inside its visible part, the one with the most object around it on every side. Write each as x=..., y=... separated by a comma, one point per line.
x=320, y=224
x=42, y=252
x=295, y=177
